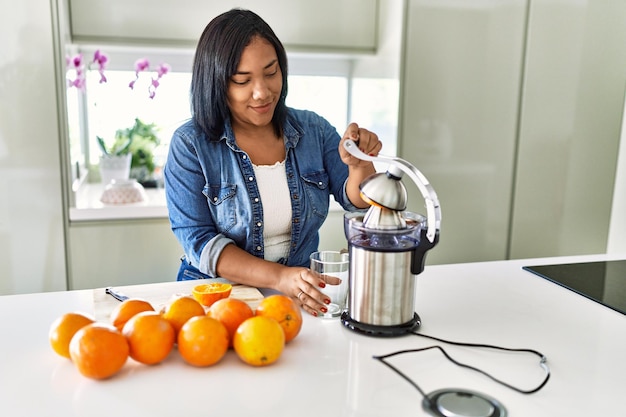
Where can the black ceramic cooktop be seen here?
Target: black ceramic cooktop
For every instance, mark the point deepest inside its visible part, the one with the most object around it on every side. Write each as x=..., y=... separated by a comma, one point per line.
x=604, y=281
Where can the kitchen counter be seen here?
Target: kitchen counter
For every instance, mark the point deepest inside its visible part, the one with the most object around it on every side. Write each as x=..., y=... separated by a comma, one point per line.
x=329, y=371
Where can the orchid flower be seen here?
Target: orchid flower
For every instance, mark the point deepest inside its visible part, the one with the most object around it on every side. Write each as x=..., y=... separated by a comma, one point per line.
x=101, y=59
x=141, y=64
x=76, y=63
x=162, y=69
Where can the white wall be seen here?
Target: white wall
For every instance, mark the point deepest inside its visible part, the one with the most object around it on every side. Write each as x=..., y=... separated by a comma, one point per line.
x=617, y=230
x=32, y=246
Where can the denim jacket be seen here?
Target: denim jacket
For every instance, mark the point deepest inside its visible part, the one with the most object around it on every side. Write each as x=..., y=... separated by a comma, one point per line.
x=213, y=198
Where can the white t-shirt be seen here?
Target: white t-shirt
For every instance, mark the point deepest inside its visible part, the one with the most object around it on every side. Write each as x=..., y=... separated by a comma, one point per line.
x=277, y=218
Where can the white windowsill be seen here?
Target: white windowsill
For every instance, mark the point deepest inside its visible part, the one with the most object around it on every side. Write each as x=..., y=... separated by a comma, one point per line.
x=89, y=207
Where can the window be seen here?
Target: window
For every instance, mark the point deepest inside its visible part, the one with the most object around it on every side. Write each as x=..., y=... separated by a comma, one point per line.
x=114, y=105
x=326, y=96
x=323, y=85
x=375, y=107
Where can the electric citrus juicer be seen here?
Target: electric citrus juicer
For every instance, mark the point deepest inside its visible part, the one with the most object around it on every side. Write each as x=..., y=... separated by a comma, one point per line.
x=387, y=247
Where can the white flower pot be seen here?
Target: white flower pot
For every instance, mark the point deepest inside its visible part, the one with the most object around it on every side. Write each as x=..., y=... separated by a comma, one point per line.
x=114, y=167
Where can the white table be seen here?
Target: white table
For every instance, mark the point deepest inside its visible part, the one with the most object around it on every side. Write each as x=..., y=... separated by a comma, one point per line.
x=329, y=371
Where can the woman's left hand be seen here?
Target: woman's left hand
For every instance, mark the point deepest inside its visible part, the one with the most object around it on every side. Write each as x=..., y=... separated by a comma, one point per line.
x=366, y=141
x=306, y=290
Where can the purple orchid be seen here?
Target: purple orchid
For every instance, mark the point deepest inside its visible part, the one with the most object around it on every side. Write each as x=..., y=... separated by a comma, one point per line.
x=76, y=63
x=141, y=64
x=100, y=59
x=162, y=69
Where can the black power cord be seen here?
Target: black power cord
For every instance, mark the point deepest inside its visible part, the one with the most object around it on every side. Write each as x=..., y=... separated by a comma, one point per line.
x=542, y=362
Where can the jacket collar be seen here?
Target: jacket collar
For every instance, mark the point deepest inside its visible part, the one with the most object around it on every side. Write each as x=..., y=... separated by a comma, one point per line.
x=292, y=132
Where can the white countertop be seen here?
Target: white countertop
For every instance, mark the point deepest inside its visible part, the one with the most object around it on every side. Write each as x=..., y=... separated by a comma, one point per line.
x=329, y=371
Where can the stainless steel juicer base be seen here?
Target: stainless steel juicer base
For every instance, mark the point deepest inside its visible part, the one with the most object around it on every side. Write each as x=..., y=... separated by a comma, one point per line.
x=381, y=331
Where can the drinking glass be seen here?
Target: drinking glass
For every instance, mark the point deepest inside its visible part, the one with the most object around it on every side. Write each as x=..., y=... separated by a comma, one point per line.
x=336, y=264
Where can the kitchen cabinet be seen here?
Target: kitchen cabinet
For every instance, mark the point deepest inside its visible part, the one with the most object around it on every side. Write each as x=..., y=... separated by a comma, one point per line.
x=322, y=25
x=144, y=250
x=513, y=111
x=122, y=252
x=569, y=132
x=459, y=102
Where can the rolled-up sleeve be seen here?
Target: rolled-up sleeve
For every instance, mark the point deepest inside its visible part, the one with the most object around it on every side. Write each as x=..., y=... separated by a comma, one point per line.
x=211, y=253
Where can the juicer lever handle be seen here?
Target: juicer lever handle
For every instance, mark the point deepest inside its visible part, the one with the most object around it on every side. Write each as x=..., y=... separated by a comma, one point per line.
x=433, y=210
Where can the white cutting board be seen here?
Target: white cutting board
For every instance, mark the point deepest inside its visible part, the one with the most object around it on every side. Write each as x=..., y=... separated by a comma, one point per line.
x=160, y=294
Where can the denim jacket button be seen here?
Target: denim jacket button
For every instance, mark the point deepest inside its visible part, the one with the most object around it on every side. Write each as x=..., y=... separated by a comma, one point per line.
x=258, y=248
x=259, y=224
x=250, y=178
x=256, y=200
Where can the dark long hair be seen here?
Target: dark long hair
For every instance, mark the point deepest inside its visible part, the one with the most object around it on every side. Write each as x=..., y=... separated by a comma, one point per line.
x=216, y=60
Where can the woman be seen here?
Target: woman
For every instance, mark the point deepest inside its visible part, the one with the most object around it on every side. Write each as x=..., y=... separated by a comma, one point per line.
x=247, y=179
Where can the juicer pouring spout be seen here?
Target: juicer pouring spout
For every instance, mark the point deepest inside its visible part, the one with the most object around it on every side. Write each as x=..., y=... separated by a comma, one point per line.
x=418, y=260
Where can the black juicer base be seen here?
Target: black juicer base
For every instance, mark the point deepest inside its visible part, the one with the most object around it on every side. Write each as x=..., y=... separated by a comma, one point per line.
x=381, y=331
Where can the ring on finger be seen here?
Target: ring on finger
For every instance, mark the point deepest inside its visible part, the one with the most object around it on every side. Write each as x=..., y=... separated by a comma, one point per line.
x=299, y=294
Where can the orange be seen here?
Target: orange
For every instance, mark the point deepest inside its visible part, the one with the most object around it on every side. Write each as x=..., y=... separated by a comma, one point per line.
x=231, y=312
x=128, y=308
x=150, y=337
x=99, y=350
x=180, y=309
x=285, y=311
x=63, y=328
x=259, y=341
x=202, y=341
x=207, y=294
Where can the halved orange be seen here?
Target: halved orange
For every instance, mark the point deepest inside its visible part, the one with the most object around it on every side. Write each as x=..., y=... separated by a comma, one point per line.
x=207, y=294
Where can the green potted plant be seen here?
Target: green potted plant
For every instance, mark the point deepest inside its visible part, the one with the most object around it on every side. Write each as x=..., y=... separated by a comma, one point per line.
x=115, y=162
x=140, y=140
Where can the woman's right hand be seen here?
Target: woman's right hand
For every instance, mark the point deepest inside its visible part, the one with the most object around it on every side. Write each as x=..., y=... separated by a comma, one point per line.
x=359, y=169
x=367, y=142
